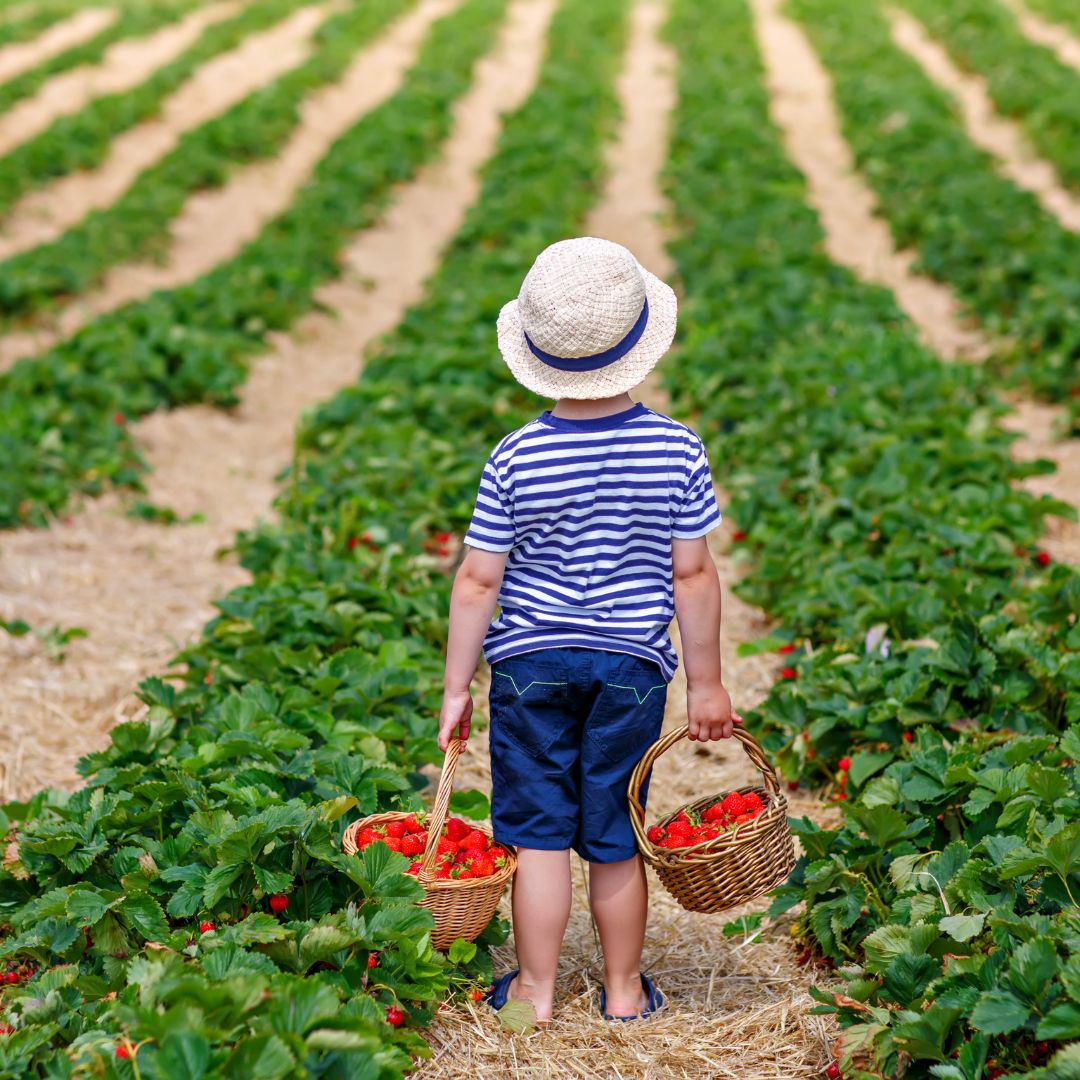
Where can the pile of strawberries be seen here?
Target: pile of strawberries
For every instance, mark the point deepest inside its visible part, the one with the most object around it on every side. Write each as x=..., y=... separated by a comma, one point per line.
x=691, y=827
x=463, y=852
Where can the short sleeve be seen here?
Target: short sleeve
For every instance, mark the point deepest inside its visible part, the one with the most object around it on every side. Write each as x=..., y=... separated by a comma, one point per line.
x=492, y=525
x=695, y=512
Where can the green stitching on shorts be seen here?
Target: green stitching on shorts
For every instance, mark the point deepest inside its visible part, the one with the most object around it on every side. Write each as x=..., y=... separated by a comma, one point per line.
x=541, y=682
x=640, y=699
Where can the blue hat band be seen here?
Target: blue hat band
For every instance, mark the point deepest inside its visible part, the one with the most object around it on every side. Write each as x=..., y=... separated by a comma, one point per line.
x=598, y=360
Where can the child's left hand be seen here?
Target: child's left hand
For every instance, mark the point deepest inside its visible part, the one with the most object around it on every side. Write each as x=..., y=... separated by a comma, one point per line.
x=456, y=715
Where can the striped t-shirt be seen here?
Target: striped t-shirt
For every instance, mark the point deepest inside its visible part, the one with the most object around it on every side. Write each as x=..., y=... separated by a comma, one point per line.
x=587, y=510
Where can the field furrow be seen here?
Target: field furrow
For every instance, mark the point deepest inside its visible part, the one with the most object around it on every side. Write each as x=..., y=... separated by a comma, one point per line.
x=1006, y=258
x=21, y=56
x=43, y=215
x=144, y=590
x=1062, y=12
x=998, y=136
x=125, y=64
x=1049, y=35
x=215, y=224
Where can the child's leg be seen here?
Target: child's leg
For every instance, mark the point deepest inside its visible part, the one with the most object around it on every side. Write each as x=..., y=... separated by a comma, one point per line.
x=541, y=909
x=620, y=904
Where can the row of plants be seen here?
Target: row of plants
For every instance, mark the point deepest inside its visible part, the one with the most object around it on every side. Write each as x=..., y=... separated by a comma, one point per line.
x=64, y=415
x=1064, y=12
x=1006, y=258
x=133, y=20
x=136, y=226
x=82, y=140
x=30, y=22
x=932, y=652
x=189, y=912
x=1026, y=81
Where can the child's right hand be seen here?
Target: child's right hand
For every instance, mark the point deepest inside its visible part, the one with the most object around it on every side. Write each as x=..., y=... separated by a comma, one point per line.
x=709, y=715
x=456, y=715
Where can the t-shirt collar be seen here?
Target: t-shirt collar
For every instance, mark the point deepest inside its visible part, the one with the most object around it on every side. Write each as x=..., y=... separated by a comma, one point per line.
x=596, y=423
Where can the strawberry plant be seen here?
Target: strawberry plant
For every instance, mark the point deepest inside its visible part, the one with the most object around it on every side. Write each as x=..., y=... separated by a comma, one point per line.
x=937, y=685
x=136, y=225
x=1009, y=260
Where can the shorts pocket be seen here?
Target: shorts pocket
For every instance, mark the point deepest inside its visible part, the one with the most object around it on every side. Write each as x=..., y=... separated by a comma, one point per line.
x=529, y=703
x=628, y=714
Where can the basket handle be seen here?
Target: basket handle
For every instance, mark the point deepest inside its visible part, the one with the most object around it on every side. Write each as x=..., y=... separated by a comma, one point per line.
x=439, y=810
x=637, y=812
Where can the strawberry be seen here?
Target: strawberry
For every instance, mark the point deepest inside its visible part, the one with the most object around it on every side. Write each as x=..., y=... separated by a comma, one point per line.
x=908, y=737
x=840, y=796
x=671, y=842
x=447, y=846
x=1043, y=558
x=278, y=903
x=413, y=824
x=833, y=1071
x=372, y=960
x=393, y=843
x=414, y=868
x=11, y=978
x=785, y=650
x=395, y=829
x=476, y=995
x=844, y=764
x=734, y=804
x=205, y=927
x=793, y=785
x=498, y=854
x=353, y=543
x=119, y=419
x=475, y=841
x=410, y=845
x=482, y=866
x=123, y=1052
x=788, y=673
x=367, y=836
x=461, y=873
x=395, y=1017
x=738, y=536
x=655, y=834
x=714, y=814
x=752, y=803
x=442, y=873
x=457, y=830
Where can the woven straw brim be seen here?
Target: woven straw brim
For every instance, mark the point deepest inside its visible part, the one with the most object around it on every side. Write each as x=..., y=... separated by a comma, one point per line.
x=618, y=377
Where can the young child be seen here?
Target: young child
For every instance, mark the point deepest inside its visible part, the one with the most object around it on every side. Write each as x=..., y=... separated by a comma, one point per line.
x=589, y=532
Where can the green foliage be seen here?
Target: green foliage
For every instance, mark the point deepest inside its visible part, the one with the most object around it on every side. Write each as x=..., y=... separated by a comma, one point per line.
x=1007, y=259
x=136, y=225
x=885, y=533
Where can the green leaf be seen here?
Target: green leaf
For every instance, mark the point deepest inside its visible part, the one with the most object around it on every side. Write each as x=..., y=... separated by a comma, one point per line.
x=1063, y=851
x=471, y=804
x=867, y=762
x=1034, y=965
x=886, y=943
x=518, y=1016
x=264, y=1057
x=999, y=1012
x=962, y=927
x=908, y=976
x=143, y=913
x=923, y=1036
x=461, y=951
x=331, y=810
x=184, y=1055
x=1061, y=1022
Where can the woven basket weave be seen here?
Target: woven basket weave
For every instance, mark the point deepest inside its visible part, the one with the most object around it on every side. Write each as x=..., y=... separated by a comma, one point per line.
x=461, y=908
x=739, y=865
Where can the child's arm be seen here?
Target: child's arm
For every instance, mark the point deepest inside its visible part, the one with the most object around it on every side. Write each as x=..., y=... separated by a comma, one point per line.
x=472, y=603
x=697, y=607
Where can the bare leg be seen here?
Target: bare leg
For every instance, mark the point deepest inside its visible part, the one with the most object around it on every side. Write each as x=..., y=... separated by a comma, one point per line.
x=620, y=905
x=541, y=908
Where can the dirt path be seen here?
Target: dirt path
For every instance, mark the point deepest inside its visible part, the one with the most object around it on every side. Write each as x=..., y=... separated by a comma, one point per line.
x=45, y=214
x=214, y=225
x=1003, y=139
x=61, y=36
x=1050, y=35
x=735, y=1012
x=855, y=236
x=141, y=589
x=124, y=65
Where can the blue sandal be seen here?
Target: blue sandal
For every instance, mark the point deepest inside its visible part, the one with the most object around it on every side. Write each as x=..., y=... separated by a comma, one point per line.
x=654, y=1003
x=500, y=989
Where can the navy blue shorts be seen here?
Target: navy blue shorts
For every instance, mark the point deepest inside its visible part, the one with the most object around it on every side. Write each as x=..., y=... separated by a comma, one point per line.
x=567, y=728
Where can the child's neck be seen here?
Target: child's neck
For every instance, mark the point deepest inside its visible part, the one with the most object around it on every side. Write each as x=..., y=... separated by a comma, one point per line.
x=590, y=409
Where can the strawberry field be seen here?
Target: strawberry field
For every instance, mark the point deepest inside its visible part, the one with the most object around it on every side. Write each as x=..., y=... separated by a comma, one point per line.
x=283, y=450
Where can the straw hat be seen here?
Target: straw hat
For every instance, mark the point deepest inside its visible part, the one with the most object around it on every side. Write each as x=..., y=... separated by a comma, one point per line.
x=589, y=322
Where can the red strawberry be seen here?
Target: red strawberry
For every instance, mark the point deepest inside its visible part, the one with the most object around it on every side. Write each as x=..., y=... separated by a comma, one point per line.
x=395, y=829
x=844, y=764
x=443, y=872
x=908, y=737
x=785, y=650
x=447, y=846
x=475, y=841
x=788, y=673
x=483, y=866
x=840, y=796
x=655, y=834
x=278, y=903
x=671, y=842
x=413, y=824
x=414, y=868
x=793, y=785
x=461, y=873
x=715, y=813
x=395, y=1017
x=476, y=995
x=353, y=543
x=733, y=804
x=744, y=817
x=833, y=1071
x=497, y=855
x=205, y=927
x=457, y=830
x=11, y=978
x=123, y=1052
x=411, y=845
x=372, y=960
x=119, y=419
x=367, y=836
x=393, y=843
x=1043, y=558
x=752, y=803
x=738, y=535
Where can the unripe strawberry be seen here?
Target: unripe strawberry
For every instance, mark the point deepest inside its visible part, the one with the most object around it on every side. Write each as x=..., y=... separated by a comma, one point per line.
x=278, y=903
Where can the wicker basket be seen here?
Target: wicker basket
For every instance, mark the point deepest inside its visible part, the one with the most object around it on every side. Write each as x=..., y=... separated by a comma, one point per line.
x=741, y=863
x=461, y=908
